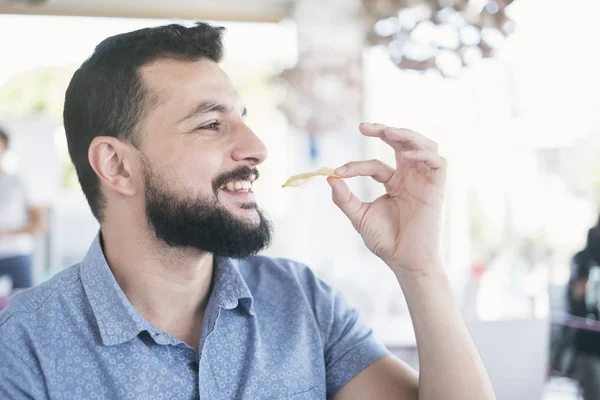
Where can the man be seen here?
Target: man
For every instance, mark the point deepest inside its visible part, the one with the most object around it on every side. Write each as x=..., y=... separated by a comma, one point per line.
x=169, y=301
x=583, y=302
x=19, y=221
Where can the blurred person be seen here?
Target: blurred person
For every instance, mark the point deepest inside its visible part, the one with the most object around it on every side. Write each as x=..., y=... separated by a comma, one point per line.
x=171, y=300
x=583, y=301
x=19, y=221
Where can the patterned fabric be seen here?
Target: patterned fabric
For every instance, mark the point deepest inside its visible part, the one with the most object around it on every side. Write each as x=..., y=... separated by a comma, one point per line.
x=272, y=330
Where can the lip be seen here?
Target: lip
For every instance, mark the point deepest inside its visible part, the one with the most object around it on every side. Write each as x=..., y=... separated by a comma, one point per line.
x=242, y=196
x=250, y=179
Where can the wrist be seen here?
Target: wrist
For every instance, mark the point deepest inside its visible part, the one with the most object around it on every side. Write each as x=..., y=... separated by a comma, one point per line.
x=427, y=289
x=433, y=271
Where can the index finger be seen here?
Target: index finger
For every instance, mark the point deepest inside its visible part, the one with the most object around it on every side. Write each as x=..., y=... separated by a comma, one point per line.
x=405, y=139
x=372, y=130
x=398, y=138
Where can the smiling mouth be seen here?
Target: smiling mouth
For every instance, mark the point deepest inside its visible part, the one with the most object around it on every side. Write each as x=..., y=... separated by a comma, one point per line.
x=239, y=186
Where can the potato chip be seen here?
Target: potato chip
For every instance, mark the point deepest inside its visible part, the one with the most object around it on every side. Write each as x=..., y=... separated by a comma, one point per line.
x=301, y=179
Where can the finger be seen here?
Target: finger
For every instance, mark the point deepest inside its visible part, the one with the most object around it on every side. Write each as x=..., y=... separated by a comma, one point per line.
x=405, y=139
x=437, y=164
x=372, y=130
x=347, y=201
x=431, y=159
x=376, y=169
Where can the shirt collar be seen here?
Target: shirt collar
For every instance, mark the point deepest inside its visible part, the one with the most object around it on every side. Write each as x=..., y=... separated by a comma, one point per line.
x=118, y=321
x=229, y=286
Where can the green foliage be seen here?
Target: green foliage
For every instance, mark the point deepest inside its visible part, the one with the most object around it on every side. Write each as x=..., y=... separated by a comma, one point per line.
x=36, y=92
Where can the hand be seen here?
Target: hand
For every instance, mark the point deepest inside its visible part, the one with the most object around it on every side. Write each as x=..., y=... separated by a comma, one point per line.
x=401, y=227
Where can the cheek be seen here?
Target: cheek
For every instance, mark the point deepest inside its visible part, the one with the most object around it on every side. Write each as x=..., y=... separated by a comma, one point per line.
x=189, y=164
x=195, y=175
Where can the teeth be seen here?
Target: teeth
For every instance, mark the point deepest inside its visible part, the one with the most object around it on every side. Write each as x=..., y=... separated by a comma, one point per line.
x=237, y=185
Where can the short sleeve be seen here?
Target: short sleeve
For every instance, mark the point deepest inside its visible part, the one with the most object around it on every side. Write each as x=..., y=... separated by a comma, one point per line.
x=349, y=345
x=17, y=380
x=25, y=191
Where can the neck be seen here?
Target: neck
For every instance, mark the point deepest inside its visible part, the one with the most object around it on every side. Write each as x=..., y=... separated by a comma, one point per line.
x=168, y=286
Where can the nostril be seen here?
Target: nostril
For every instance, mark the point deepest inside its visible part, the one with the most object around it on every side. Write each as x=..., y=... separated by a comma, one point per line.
x=253, y=161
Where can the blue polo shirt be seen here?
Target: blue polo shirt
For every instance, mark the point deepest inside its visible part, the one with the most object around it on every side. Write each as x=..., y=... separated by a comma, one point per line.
x=272, y=330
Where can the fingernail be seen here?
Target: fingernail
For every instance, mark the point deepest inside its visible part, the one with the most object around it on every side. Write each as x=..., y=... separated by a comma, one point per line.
x=340, y=171
x=373, y=124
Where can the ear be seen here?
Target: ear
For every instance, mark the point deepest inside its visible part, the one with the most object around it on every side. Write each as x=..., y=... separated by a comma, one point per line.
x=114, y=163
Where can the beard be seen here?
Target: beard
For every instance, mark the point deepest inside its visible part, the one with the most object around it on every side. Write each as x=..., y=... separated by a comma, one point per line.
x=203, y=223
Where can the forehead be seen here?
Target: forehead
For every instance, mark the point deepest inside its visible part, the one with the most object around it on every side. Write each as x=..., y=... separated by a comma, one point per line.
x=187, y=81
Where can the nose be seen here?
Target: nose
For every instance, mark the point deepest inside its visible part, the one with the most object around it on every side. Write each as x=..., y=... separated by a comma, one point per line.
x=248, y=147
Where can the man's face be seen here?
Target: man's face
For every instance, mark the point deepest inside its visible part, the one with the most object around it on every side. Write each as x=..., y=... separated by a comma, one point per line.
x=199, y=160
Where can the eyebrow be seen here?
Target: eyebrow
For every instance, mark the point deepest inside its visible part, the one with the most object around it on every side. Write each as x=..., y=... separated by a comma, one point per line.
x=205, y=108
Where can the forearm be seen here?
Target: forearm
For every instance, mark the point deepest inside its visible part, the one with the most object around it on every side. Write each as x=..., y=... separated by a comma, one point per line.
x=29, y=229
x=450, y=367
x=35, y=227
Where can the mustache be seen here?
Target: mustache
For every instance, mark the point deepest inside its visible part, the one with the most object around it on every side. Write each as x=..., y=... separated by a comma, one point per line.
x=239, y=174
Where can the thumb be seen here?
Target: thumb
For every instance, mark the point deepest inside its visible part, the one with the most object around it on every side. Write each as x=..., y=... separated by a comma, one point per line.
x=346, y=200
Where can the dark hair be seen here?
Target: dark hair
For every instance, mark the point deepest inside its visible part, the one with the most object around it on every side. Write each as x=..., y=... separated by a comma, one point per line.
x=593, y=244
x=4, y=138
x=590, y=255
x=106, y=96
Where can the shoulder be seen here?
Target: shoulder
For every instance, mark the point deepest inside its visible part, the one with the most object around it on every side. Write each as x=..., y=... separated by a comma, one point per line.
x=278, y=278
x=580, y=264
x=272, y=266
x=33, y=324
x=37, y=305
x=277, y=271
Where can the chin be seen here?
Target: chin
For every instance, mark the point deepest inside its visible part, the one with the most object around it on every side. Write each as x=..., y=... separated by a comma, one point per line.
x=251, y=217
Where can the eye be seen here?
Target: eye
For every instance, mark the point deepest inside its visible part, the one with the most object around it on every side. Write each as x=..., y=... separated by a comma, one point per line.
x=213, y=126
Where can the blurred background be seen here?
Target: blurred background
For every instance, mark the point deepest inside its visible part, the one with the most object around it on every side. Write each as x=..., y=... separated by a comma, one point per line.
x=509, y=90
